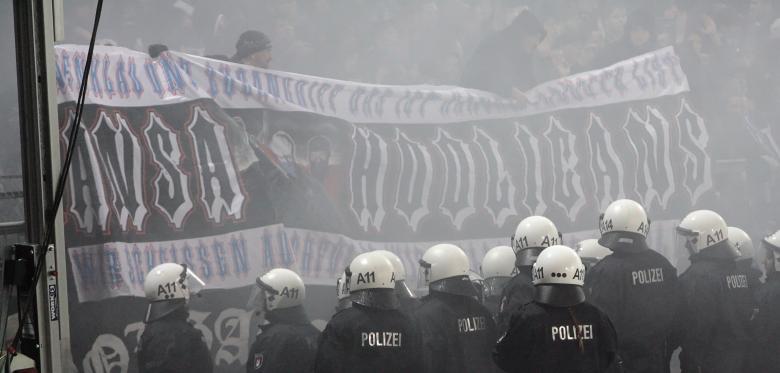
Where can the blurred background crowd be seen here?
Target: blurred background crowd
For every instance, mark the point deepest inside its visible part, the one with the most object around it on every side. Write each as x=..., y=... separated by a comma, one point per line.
x=728, y=48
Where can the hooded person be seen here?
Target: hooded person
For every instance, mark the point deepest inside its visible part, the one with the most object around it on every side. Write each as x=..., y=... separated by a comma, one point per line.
x=591, y=252
x=169, y=342
x=717, y=301
x=558, y=331
x=288, y=342
x=458, y=332
x=746, y=262
x=635, y=286
x=763, y=355
x=497, y=269
x=504, y=61
x=373, y=335
x=408, y=302
x=533, y=234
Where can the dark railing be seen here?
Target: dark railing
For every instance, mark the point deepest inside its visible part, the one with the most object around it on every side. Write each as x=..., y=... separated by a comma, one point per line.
x=12, y=232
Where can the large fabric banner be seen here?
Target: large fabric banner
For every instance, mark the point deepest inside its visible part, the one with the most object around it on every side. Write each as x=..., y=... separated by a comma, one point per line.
x=237, y=183
x=120, y=77
x=235, y=170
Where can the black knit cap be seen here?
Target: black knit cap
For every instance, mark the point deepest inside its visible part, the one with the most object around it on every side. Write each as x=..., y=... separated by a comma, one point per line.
x=251, y=41
x=526, y=23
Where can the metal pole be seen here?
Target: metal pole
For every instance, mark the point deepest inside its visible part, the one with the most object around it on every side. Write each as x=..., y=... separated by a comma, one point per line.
x=34, y=35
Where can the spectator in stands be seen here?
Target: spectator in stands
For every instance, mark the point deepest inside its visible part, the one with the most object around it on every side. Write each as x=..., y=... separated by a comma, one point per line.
x=639, y=38
x=253, y=48
x=503, y=62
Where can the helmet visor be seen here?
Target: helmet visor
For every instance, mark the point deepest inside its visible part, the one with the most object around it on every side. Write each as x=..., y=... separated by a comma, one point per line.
x=687, y=239
x=424, y=275
x=494, y=286
x=190, y=281
x=256, y=300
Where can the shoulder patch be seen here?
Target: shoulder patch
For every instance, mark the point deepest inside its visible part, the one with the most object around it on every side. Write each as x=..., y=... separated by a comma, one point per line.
x=259, y=361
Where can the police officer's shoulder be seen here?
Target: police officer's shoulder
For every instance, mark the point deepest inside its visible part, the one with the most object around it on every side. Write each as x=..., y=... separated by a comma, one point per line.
x=279, y=330
x=345, y=315
x=657, y=257
x=430, y=306
x=701, y=273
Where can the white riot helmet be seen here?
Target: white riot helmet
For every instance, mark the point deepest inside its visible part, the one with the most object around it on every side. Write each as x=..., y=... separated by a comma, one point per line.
x=741, y=241
x=281, y=288
x=532, y=235
x=445, y=268
x=372, y=281
x=703, y=230
x=772, y=246
x=498, y=267
x=342, y=292
x=591, y=252
x=400, y=274
x=559, y=265
x=624, y=224
x=168, y=287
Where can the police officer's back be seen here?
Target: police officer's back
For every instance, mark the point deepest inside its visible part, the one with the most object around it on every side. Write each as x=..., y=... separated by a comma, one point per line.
x=373, y=335
x=741, y=241
x=591, y=252
x=170, y=344
x=636, y=287
x=498, y=269
x=288, y=343
x=533, y=234
x=764, y=356
x=558, y=331
x=406, y=298
x=716, y=298
x=458, y=332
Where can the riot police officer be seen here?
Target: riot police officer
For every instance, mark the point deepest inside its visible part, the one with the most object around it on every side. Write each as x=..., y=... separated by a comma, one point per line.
x=458, y=332
x=288, y=342
x=373, y=335
x=497, y=269
x=636, y=287
x=558, y=331
x=766, y=324
x=342, y=292
x=533, y=234
x=170, y=344
x=405, y=295
x=716, y=296
x=591, y=252
x=741, y=241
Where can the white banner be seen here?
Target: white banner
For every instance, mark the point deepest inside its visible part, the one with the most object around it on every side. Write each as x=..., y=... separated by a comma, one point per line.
x=235, y=259
x=122, y=77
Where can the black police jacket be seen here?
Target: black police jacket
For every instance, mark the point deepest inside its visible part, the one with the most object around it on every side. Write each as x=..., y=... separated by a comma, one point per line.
x=366, y=339
x=173, y=345
x=518, y=291
x=543, y=338
x=288, y=344
x=458, y=334
x=716, y=308
x=638, y=291
x=764, y=356
x=754, y=275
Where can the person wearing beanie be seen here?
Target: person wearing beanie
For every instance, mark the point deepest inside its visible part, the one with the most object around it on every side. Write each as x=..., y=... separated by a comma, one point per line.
x=503, y=62
x=253, y=48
